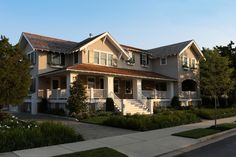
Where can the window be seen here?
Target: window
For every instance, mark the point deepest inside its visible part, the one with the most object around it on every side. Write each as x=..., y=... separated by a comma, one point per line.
x=96, y=57
x=144, y=59
x=163, y=61
x=185, y=61
x=193, y=63
x=32, y=58
x=116, y=86
x=110, y=58
x=76, y=58
x=55, y=59
x=161, y=86
x=103, y=59
x=91, y=82
x=128, y=87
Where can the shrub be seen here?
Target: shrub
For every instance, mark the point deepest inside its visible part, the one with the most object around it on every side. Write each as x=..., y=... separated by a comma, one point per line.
x=17, y=134
x=148, y=122
x=175, y=103
x=110, y=105
x=210, y=113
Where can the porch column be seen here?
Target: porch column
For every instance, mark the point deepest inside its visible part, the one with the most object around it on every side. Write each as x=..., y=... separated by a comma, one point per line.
x=70, y=77
x=34, y=104
x=109, y=85
x=170, y=89
x=137, y=89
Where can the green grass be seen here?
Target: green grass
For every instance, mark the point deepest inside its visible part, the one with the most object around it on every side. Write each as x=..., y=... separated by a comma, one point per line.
x=197, y=133
x=99, y=152
x=202, y=132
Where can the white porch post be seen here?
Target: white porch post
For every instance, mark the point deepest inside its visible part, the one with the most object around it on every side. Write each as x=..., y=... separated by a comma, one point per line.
x=109, y=85
x=137, y=89
x=70, y=77
x=170, y=89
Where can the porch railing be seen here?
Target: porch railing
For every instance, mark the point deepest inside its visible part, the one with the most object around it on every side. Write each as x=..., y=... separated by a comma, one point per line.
x=155, y=94
x=117, y=101
x=189, y=94
x=96, y=93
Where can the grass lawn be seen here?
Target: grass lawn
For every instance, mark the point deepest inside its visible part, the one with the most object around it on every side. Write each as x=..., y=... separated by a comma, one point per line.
x=99, y=152
x=202, y=132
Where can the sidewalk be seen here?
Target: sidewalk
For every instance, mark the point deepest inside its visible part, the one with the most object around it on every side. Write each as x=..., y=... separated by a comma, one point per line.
x=148, y=144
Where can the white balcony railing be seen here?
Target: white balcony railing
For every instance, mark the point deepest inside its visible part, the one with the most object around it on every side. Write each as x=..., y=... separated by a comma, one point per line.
x=155, y=94
x=96, y=93
x=188, y=94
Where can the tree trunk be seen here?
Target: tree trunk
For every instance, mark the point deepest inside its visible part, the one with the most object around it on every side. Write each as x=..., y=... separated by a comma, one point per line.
x=215, y=111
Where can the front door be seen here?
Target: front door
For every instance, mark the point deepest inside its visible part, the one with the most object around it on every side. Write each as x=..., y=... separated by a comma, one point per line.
x=55, y=84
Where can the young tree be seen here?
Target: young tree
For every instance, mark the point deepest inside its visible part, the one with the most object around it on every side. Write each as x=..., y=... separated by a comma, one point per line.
x=216, y=75
x=77, y=99
x=14, y=74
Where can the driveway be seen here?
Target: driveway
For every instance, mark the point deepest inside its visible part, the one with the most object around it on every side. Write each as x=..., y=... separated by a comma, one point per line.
x=88, y=131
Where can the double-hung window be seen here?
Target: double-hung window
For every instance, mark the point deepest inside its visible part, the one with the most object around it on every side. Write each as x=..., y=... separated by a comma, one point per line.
x=32, y=58
x=185, y=61
x=163, y=61
x=110, y=58
x=193, y=63
x=76, y=57
x=103, y=58
x=96, y=57
x=55, y=59
x=144, y=59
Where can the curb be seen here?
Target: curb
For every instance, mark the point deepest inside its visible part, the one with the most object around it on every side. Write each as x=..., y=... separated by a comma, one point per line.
x=201, y=142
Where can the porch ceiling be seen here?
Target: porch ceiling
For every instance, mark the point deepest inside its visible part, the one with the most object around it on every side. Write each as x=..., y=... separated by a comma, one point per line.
x=97, y=69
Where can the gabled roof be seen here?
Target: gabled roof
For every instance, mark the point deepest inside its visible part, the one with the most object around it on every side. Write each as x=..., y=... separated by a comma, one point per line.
x=44, y=43
x=168, y=50
x=98, y=69
x=84, y=42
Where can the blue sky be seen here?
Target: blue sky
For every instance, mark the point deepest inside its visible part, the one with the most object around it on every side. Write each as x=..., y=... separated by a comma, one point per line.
x=140, y=23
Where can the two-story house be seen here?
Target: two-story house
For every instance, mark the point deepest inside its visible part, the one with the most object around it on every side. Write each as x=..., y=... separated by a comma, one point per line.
x=135, y=78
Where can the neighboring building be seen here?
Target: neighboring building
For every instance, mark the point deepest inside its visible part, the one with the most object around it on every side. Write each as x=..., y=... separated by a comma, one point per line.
x=135, y=78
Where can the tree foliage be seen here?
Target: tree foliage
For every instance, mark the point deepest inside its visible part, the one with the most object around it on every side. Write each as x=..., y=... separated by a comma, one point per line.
x=77, y=99
x=216, y=75
x=14, y=74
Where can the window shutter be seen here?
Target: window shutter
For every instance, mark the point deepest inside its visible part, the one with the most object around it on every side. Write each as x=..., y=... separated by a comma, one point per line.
x=141, y=58
x=147, y=59
x=49, y=58
x=62, y=59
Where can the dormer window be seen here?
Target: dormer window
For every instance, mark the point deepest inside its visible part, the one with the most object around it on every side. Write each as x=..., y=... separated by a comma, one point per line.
x=144, y=59
x=163, y=61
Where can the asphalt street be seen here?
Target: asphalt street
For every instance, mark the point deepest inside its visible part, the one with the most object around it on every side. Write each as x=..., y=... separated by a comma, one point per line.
x=223, y=148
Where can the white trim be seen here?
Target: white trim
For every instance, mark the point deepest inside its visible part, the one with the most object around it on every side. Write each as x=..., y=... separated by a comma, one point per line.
x=23, y=35
x=113, y=74
x=190, y=44
x=161, y=60
x=111, y=38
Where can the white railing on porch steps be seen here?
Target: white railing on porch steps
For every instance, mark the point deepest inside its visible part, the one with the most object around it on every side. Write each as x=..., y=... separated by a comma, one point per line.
x=117, y=101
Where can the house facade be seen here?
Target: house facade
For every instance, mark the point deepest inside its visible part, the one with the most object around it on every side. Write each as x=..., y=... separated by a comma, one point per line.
x=137, y=79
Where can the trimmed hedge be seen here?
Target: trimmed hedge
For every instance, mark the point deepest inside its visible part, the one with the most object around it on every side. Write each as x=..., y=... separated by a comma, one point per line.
x=17, y=134
x=210, y=113
x=150, y=122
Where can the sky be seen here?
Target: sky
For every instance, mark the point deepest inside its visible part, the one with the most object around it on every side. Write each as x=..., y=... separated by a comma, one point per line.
x=140, y=23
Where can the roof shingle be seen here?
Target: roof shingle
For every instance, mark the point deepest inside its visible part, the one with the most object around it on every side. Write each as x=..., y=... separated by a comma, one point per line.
x=169, y=49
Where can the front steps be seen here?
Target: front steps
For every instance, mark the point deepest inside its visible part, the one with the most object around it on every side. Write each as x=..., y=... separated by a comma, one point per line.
x=133, y=106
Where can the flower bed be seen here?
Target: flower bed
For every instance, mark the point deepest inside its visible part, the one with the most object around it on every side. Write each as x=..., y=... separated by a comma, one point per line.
x=17, y=134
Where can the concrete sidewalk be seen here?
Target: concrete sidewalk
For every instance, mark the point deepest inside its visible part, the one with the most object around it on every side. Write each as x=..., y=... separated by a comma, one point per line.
x=148, y=144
